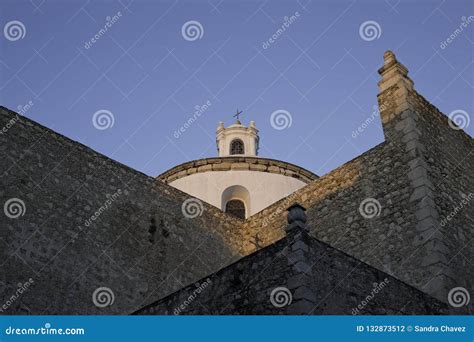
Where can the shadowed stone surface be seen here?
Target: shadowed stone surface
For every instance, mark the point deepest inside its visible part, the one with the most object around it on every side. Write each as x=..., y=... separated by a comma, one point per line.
x=140, y=245
x=330, y=283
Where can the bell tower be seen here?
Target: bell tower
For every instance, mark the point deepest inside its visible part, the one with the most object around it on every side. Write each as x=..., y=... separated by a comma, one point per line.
x=237, y=140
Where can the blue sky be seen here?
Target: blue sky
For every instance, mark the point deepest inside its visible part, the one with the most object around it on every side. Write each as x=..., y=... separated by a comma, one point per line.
x=150, y=76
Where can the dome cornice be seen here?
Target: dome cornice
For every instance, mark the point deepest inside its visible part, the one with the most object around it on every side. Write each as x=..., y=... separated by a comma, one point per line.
x=237, y=163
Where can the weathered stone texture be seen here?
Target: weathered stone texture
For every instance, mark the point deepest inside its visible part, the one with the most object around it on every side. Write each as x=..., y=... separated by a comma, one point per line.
x=140, y=246
x=330, y=283
x=333, y=210
x=448, y=159
x=419, y=175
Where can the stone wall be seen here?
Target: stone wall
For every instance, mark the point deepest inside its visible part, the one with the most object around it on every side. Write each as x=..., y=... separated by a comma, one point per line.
x=417, y=177
x=241, y=288
x=297, y=275
x=333, y=203
x=139, y=244
x=448, y=161
x=440, y=161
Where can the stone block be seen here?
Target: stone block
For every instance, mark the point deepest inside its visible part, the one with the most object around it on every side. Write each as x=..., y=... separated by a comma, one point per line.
x=258, y=167
x=299, y=245
x=420, y=193
x=417, y=172
x=181, y=174
x=274, y=169
x=240, y=166
x=426, y=211
x=205, y=168
x=222, y=166
x=411, y=136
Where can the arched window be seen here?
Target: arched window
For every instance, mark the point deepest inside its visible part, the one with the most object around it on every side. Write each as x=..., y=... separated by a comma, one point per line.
x=236, y=201
x=236, y=208
x=237, y=147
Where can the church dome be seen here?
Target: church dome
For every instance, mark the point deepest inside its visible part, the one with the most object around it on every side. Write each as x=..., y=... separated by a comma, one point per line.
x=238, y=181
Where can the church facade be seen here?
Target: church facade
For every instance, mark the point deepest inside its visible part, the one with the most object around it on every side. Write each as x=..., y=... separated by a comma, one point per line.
x=389, y=232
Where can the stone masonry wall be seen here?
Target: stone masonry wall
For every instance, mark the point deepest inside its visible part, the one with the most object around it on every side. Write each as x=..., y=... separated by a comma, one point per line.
x=333, y=203
x=241, y=288
x=440, y=164
x=417, y=176
x=444, y=190
x=335, y=284
x=140, y=244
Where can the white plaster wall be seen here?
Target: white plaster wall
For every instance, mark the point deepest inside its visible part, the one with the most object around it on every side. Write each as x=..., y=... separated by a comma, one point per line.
x=264, y=188
x=248, y=135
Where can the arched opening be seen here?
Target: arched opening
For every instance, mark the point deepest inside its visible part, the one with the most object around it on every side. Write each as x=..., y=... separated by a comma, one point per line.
x=235, y=208
x=237, y=147
x=236, y=201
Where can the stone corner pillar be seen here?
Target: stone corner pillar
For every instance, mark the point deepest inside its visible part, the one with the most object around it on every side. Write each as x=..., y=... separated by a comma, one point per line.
x=297, y=251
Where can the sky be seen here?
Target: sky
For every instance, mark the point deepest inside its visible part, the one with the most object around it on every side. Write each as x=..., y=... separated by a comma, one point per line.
x=124, y=77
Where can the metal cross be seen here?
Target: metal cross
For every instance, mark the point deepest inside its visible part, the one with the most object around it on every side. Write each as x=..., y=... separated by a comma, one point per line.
x=237, y=114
